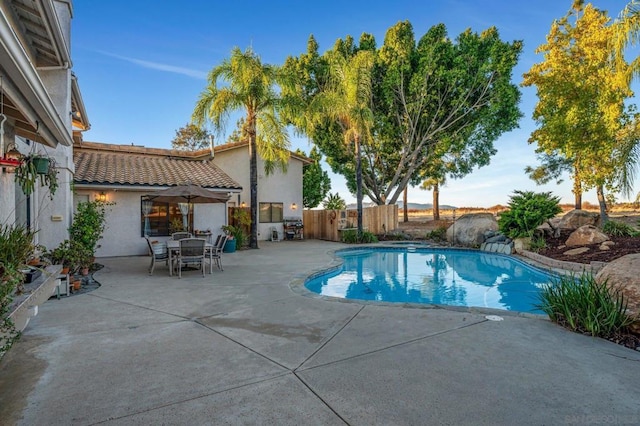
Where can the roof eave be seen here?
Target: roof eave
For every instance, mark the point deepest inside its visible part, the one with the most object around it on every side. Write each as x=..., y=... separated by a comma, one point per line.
x=26, y=90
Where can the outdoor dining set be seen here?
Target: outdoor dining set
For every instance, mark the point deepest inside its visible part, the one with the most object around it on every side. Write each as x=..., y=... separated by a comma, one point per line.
x=183, y=250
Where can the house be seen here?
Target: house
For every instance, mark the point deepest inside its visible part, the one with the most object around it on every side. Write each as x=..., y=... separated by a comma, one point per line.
x=42, y=111
x=125, y=175
x=279, y=193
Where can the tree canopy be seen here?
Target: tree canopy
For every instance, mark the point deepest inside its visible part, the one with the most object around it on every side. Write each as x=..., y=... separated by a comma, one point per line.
x=581, y=110
x=249, y=86
x=437, y=101
x=315, y=181
x=191, y=138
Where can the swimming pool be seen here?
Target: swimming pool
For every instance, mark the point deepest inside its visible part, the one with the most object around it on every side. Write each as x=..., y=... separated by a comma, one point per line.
x=451, y=277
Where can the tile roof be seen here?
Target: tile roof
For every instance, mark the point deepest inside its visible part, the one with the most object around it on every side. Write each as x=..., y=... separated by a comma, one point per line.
x=98, y=163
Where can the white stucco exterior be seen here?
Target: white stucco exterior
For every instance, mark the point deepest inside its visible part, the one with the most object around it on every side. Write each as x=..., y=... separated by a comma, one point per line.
x=40, y=87
x=278, y=187
x=124, y=226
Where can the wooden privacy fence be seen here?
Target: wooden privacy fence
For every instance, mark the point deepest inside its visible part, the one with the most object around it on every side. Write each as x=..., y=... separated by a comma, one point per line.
x=328, y=224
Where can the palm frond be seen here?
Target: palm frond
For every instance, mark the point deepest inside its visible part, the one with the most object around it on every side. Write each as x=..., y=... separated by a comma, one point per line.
x=272, y=141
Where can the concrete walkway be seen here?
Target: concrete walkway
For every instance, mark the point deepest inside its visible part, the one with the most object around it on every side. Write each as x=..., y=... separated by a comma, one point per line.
x=240, y=347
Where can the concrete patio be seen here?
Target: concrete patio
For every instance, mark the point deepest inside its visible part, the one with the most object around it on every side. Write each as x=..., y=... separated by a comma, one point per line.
x=240, y=347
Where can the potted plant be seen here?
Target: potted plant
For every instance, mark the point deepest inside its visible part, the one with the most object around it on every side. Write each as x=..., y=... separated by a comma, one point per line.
x=16, y=246
x=36, y=167
x=231, y=244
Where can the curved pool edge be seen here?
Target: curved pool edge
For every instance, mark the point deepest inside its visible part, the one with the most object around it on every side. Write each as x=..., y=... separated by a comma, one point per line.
x=297, y=285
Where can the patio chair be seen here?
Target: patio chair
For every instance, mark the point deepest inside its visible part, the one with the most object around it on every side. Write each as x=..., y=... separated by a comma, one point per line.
x=180, y=235
x=216, y=251
x=158, y=252
x=191, y=253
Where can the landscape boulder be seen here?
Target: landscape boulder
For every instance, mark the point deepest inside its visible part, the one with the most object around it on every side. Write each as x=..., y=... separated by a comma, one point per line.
x=470, y=229
x=585, y=235
x=623, y=274
x=578, y=218
x=570, y=221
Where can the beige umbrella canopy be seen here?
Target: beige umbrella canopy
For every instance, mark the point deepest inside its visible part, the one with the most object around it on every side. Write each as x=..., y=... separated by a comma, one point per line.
x=189, y=193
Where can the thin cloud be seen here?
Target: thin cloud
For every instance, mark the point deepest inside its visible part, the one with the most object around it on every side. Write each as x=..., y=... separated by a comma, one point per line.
x=200, y=75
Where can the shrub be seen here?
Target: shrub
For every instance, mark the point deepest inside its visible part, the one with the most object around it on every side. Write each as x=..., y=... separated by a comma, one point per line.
x=16, y=245
x=527, y=210
x=438, y=234
x=619, y=229
x=88, y=224
x=537, y=243
x=350, y=236
x=582, y=304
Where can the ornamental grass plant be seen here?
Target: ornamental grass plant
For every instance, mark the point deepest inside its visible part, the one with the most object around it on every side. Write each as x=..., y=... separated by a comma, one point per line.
x=585, y=305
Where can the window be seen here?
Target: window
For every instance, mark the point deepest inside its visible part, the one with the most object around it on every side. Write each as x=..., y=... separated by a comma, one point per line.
x=270, y=212
x=162, y=219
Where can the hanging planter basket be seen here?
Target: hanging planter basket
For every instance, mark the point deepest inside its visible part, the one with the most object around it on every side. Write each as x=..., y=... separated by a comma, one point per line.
x=41, y=164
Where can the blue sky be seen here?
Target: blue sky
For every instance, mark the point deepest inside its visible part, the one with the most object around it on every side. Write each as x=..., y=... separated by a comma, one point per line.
x=142, y=64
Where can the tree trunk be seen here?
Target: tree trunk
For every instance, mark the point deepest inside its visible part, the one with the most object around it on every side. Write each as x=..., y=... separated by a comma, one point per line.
x=436, y=201
x=359, y=186
x=604, y=218
x=404, y=205
x=253, y=182
x=577, y=191
x=578, y=201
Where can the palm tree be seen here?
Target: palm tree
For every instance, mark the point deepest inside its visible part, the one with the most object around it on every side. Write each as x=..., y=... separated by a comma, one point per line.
x=433, y=184
x=627, y=35
x=346, y=101
x=249, y=86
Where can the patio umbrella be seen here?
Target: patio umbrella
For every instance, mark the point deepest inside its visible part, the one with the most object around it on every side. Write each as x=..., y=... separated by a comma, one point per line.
x=188, y=193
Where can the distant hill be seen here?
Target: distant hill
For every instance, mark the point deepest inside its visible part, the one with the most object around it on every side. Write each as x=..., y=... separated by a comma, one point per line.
x=410, y=206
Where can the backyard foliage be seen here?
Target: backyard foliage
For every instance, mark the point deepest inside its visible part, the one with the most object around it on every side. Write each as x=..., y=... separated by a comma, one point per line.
x=16, y=244
x=584, y=305
x=437, y=105
x=614, y=228
x=242, y=81
x=334, y=202
x=315, y=181
x=527, y=210
x=191, y=138
x=581, y=111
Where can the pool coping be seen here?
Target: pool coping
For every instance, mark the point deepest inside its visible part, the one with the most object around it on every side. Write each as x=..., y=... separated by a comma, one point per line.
x=297, y=284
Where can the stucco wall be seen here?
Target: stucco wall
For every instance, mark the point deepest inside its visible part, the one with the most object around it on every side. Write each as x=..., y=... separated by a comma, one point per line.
x=123, y=233
x=278, y=187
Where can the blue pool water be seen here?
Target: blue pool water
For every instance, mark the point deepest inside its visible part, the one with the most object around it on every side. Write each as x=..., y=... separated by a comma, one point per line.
x=434, y=276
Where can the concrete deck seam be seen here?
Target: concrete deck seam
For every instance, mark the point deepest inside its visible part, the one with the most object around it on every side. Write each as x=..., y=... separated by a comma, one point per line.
x=193, y=398
x=329, y=339
x=320, y=398
x=408, y=342
x=141, y=307
x=242, y=345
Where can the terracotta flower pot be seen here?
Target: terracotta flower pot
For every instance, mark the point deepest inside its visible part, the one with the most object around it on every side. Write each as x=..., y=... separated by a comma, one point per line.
x=85, y=271
x=77, y=284
x=64, y=271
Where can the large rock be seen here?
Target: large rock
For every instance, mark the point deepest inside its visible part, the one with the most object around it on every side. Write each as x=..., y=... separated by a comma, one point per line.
x=578, y=218
x=570, y=221
x=585, y=235
x=470, y=229
x=623, y=274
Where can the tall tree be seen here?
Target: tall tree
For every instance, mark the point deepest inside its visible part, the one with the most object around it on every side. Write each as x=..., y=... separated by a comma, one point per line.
x=627, y=34
x=191, y=138
x=581, y=109
x=551, y=167
x=250, y=85
x=345, y=103
x=436, y=96
x=315, y=181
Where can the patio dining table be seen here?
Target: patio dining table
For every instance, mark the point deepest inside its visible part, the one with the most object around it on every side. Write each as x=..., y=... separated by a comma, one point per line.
x=173, y=246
